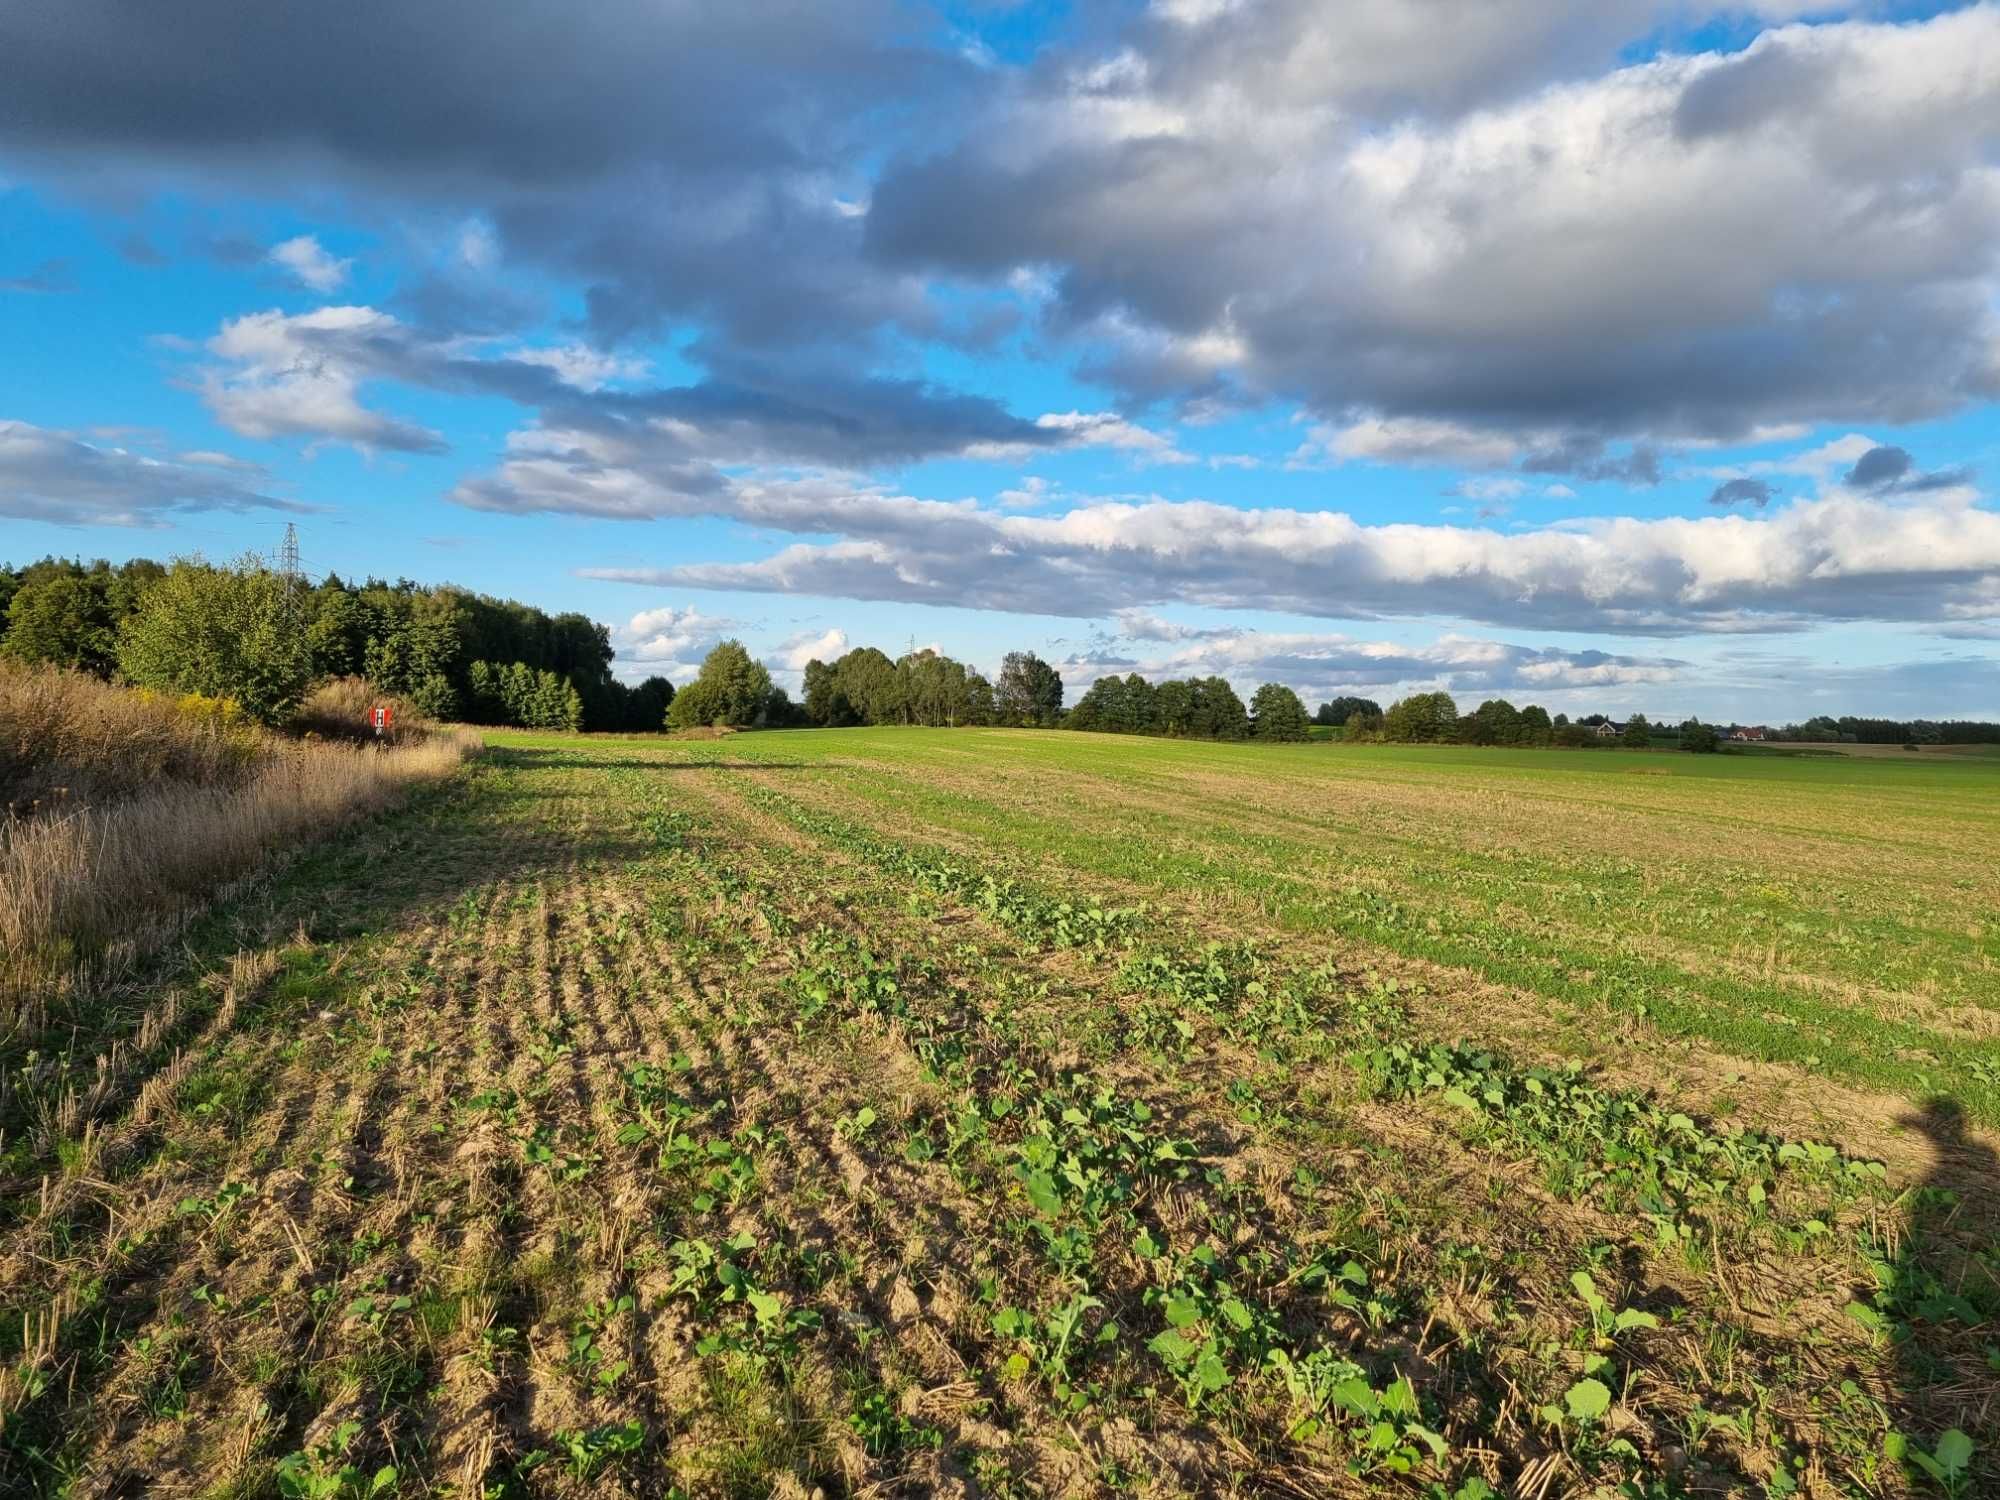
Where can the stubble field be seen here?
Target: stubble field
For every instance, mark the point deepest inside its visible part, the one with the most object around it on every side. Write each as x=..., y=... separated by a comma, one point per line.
x=1001, y=1113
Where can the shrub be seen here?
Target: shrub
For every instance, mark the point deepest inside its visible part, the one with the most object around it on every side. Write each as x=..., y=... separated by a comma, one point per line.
x=339, y=709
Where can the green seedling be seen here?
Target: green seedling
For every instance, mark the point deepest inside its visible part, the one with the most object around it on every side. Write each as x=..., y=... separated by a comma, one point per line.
x=322, y=1471
x=1948, y=1465
x=1606, y=1321
x=586, y=1354
x=591, y=1451
x=885, y=1432
x=1052, y=1342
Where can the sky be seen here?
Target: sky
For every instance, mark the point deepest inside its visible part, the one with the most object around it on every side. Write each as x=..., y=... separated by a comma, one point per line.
x=1612, y=355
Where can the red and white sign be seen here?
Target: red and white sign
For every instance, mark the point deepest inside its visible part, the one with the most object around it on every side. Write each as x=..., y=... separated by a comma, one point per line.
x=383, y=717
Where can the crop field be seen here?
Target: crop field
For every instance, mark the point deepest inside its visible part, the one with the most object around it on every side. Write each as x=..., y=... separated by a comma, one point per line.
x=1001, y=1113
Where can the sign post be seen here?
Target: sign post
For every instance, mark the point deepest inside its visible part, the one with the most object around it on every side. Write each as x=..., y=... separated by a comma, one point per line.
x=383, y=717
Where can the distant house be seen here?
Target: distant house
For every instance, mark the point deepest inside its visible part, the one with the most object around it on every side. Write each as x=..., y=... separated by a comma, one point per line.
x=1609, y=731
x=1755, y=732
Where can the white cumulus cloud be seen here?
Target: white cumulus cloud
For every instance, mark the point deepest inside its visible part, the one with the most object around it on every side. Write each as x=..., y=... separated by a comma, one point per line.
x=309, y=261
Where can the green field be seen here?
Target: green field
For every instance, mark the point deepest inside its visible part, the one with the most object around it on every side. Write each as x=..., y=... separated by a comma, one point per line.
x=1842, y=917
x=1002, y=1113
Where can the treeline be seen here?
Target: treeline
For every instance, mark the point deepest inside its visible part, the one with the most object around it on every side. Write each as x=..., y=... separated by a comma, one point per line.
x=921, y=687
x=1434, y=719
x=1193, y=708
x=864, y=687
x=248, y=633
x=924, y=687
x=928, y=687
x=1848, y=730
x=452, y=653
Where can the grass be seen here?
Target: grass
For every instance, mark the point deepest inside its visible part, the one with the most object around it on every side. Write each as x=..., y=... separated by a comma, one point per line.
x=1021, y=1114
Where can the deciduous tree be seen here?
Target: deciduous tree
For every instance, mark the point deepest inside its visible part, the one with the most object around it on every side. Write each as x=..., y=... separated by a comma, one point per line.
x=1029, y=691
x=64, y=620
x=1421, y=718
x=733, y=689
x=1277, y=714
x=220, y=632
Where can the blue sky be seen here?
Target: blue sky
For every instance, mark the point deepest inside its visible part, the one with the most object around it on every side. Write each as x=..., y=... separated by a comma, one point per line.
x=1612, y=356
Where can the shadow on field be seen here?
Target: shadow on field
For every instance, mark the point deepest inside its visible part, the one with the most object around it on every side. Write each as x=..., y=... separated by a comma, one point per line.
x=1939, y=1299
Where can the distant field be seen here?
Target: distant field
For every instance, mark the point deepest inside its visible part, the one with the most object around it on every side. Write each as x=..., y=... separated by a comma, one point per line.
x=998, y=1113
x=1896, y=752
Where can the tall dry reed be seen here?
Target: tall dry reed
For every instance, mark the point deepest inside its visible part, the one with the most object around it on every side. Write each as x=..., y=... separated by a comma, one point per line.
x=67, y=739
x=85, y=890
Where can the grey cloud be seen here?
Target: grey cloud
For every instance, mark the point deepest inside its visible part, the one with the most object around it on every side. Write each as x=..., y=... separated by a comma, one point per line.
x=631, y=82
x=1385, y=61
x=49, y=276
x=685, y=161
x=304, y=374
x=140, y=251
x=1892, y=470
x=238, y=250
x=443, y=304
x=831, y=417
x=1572, y=261
x=1751, y=90
x=1144, y=625
x=1939, y=479
x=1879, y=467
x=766, y=415
x=47, y=475
x=1838, y=558
x=1757, y=492
x=1583, y=457
x=1223, y=202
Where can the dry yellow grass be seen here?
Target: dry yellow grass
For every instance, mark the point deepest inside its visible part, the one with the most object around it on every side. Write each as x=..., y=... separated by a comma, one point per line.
x=338, y=709
x=127, y=811
x=68, y=739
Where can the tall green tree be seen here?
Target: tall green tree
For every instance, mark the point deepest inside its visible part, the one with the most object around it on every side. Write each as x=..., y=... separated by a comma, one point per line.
x=1029, y=692
x=732, y=689
x=1421, y=718
x=825, y=700
x=1340, y=710
x=1277, y=714
x=337, y=630
x=1495, y=722
x=1216, y=712
x=870, y=685
x=1698, y=738
x=1638, y=733
x=221, y=632
x=63, y=620
x=1101, y=709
